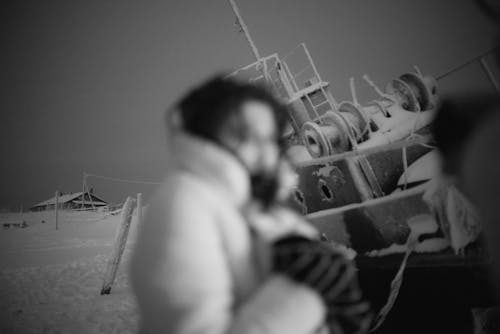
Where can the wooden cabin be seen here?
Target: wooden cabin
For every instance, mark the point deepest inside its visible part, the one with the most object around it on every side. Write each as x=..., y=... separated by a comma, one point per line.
x=73, y=201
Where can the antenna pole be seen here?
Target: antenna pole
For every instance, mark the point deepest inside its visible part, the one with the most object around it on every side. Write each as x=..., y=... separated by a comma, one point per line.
x=83, y=189
x=245, y=29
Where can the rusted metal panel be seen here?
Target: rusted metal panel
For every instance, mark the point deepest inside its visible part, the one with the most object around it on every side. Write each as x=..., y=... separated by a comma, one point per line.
x=388, y=166
x=327, y=185
x=324, y=187
x=374, y=224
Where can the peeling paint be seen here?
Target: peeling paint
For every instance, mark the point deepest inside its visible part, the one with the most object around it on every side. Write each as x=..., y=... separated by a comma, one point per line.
x=325, y=191
x=301, y=200
x=332, y=172
x=325, y=171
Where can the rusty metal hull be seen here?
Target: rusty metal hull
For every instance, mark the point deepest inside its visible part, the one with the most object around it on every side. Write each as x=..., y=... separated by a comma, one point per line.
x=374, y=224
x=438, y=286
x=435, y=297
x=329, y=185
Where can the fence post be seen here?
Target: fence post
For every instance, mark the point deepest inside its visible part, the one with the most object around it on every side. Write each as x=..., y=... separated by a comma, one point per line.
x=118, y=247
x=56, y=204
x=139, y=208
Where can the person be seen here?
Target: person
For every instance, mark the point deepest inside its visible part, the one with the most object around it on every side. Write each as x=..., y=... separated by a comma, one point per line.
x=469, y=152
x=467, y=133
x=217, y=252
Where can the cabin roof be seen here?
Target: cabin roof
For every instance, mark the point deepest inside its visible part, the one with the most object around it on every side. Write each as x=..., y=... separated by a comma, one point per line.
x=70, y=197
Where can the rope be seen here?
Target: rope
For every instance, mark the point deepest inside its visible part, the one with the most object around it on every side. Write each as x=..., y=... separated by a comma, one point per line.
x=411, y=136
x=416, y=137
x=85, y=185
x=405, y=167
x=357, y=105
x=377, y=89
x=404, y=153
x=428, y=146
x=396, y=283
x=466, y=63
x=121, y=180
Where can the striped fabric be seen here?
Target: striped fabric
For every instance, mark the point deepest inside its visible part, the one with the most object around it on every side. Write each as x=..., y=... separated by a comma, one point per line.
x=329, y=273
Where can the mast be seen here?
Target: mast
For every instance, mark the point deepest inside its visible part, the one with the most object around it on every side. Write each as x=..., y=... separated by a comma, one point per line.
x=241, y=23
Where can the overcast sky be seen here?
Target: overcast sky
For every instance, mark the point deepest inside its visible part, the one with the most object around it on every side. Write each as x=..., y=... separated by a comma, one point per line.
x=84, y=84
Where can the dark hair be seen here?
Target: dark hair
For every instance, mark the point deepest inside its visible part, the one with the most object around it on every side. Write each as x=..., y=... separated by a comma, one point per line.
x=205, y=109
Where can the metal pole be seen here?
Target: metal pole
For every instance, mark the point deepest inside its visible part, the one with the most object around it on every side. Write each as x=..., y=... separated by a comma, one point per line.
x=329, y=97
x=420, y=140
x=90, y=194
x=56, y=208
x=459, y=67
x=489, y=74
x=83, y=189
x=308, y=55
x=21, y=214
x=245, y=29
x=353, y=91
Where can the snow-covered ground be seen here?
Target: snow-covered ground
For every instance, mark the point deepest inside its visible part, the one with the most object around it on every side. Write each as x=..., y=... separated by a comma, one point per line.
x=50, y=280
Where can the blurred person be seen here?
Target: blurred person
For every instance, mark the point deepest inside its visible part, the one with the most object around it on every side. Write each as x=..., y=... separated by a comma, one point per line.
x=217, y=252
x=467, y=132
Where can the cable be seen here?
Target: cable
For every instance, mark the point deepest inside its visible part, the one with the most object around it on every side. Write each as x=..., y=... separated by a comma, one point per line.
x=468, y=62
x=395, y=286
x=121, y=180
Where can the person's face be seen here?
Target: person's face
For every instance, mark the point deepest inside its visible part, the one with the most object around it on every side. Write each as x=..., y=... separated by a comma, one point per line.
x=252, y=136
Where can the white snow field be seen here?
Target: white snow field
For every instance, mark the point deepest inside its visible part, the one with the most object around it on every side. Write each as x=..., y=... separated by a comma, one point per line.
x=50, y=280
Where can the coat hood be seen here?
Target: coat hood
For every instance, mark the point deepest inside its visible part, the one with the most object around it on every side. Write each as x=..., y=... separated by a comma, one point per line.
x=212, y=163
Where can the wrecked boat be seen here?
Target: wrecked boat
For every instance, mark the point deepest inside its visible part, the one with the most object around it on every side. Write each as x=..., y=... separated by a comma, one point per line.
x=367, y=176
x=369, y=180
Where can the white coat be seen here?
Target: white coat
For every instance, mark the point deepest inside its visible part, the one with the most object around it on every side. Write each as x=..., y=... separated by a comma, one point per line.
x=197, y=268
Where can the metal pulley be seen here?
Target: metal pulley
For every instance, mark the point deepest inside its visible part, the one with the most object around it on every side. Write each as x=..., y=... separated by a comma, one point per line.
x=327, y=138
x=403, y=94
x=413, y=91
x=390, y=118
x=337, y=131
x=358, y=121
x=424, y=88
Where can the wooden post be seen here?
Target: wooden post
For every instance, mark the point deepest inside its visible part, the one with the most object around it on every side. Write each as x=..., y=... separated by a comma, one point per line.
x=83, y=190
x=118, y=247
x=90, y=196
x=139, y=208
x=56, y=204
